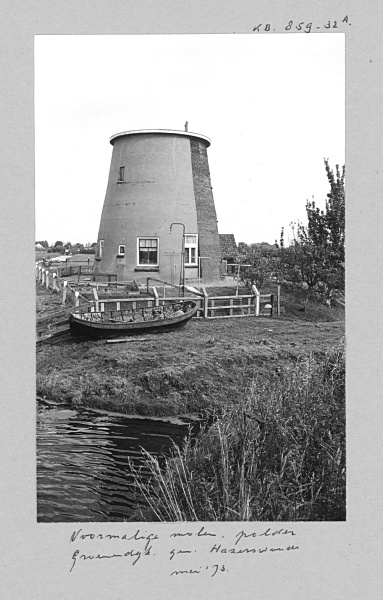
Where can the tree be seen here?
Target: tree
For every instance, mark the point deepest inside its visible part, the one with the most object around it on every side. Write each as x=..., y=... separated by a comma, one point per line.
x=58, y=244
x=264, y=268
x=315, y=259
x=242, y=247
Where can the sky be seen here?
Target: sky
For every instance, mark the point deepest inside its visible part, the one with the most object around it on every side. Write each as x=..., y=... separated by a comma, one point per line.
x=272, y=105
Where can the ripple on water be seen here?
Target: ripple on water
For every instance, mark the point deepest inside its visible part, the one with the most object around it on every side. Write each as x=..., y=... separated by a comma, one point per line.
x=83, y=471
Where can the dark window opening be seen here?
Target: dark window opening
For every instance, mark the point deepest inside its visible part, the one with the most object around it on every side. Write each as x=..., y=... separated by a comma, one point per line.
x=121, y=175
x=147, y=251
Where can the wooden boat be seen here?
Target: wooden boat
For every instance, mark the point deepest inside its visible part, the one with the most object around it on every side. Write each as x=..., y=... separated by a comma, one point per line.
x=118, y=323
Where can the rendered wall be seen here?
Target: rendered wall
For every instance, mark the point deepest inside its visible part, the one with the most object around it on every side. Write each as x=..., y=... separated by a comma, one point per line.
x=160, y=186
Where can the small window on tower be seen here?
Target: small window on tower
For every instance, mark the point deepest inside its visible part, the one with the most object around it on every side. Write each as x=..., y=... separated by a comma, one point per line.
x=121, y=250
x=100, y=248
x=121, y=175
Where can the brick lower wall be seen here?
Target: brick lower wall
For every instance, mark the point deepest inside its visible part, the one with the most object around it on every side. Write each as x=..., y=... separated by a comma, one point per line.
x=209, y=243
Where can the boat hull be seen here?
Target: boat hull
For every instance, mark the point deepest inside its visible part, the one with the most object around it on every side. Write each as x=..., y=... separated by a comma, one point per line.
x=101, y=330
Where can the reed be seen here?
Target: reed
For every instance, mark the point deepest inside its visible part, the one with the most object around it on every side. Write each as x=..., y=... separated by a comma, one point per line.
x=278, y=455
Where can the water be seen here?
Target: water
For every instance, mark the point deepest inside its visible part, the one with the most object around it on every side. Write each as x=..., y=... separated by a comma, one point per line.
x=83, y=473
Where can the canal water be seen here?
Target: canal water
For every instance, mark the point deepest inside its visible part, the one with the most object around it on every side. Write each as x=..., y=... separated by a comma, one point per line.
x=83, y=470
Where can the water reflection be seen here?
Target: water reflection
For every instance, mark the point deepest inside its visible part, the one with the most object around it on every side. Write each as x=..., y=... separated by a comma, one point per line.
x=83, y=472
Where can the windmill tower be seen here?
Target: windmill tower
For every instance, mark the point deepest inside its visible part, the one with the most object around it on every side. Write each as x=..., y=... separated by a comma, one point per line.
x=158, y=216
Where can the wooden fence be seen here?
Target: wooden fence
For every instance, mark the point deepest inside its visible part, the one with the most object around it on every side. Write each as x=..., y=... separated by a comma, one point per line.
x=208, y=307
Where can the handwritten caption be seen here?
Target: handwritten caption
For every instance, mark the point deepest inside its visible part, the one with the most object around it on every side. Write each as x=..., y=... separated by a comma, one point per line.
x=303, y=26
x=198, y=551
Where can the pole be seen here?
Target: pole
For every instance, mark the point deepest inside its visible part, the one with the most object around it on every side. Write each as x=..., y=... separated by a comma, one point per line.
x=182, y=270
x=236, y=293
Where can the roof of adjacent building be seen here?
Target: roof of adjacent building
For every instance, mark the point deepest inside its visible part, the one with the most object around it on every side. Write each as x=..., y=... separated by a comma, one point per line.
x=161, y=131
x=228, y=244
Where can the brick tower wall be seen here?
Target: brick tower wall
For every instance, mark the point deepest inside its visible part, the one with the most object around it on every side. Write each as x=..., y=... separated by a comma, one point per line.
x=209, y=243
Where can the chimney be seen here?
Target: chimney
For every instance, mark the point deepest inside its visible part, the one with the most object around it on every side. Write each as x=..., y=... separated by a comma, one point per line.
x=186, y=126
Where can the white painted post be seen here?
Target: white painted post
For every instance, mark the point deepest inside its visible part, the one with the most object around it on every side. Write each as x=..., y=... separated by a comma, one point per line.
x=54, y=282
x=43, y=277
x=257, y=299
x=205, y=302
x=231, y=307
x=95, y=295
x=64, y=291
x=77, y=299
x=156, y=297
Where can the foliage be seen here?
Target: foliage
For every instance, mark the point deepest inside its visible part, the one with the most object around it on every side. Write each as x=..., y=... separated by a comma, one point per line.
x=277, y=456
x=315, y=259
x=263, y=269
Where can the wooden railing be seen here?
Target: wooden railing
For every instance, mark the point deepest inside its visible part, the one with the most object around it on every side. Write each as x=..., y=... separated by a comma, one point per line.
x=208, y=307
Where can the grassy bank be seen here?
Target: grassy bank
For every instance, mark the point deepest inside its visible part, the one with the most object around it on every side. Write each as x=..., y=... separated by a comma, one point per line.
x=195, y=369
x=276, y=455
x=190, y=370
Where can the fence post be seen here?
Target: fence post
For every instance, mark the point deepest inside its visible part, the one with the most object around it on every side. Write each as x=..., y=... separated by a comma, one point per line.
x=95, y=295
x=205, y=302
x=231, y=307
x=257, y=298
x=156, y=297
x=272, y=304
x=54, y=282
x=249, y=306
x=43, y=277
x=64, y=291
x=278, y=300
x=77, y=299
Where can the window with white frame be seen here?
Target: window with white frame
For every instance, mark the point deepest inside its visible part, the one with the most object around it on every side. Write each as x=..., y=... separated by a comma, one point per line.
x=121, y=250
x=191, y=244
x=147, y=251
x=100, y=248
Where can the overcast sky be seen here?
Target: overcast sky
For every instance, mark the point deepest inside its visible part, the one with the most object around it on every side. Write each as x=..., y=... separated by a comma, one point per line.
x=272, y=105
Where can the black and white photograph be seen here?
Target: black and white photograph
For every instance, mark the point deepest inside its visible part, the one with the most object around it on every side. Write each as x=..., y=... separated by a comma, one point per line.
x=190, y=278
x=191, y=337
